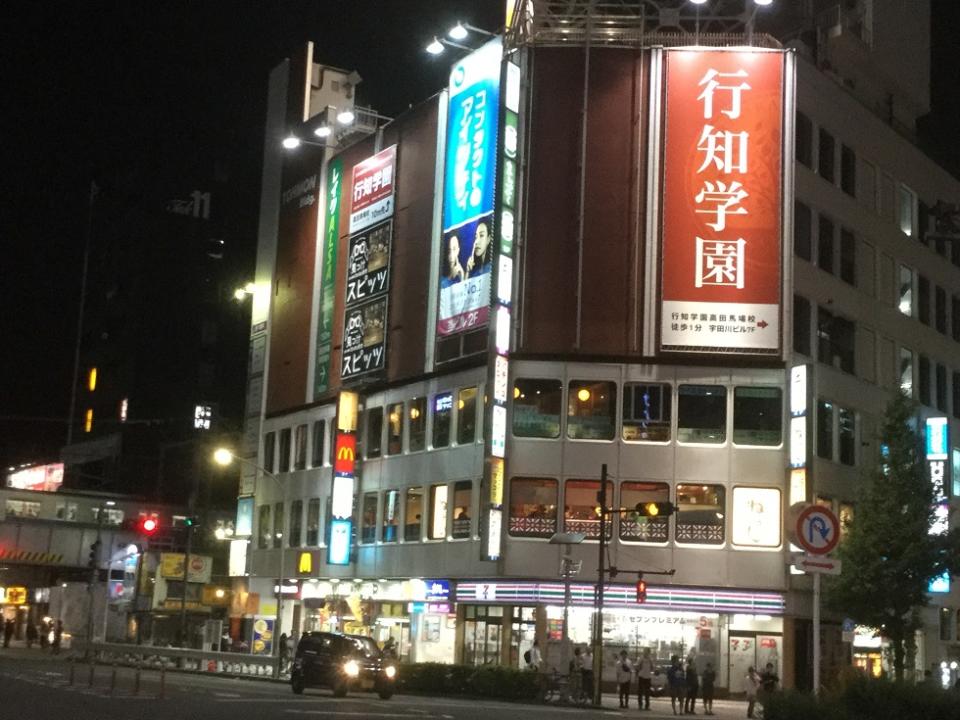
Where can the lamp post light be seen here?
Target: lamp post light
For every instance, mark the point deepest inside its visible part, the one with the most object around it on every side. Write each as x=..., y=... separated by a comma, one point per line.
x=223, y=457
x=568, y=567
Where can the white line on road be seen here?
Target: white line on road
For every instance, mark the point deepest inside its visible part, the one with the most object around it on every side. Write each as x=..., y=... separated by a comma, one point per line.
x=226, y=695
x=347, y=713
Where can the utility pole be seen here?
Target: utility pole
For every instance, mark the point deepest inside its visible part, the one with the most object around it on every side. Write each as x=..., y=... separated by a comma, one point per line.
x=92, y=582
x=186, y=573
x=598, y=595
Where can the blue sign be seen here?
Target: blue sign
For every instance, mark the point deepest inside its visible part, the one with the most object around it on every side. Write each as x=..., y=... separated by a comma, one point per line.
x=937, y=438
x=244, y=526
x=940, y=584
x=437, y=590
x=338, y=549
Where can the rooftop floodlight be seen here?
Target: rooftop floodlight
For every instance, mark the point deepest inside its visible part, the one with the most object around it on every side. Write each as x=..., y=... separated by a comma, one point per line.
x=763, y=2
x=291, y=142
x=458, y=32
x=699, y=2
x=435, y=48
x=322, y=131
x=345, y=117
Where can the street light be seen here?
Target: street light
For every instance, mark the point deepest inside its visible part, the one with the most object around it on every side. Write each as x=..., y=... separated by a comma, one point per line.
x=291, y=142
x=224, y=456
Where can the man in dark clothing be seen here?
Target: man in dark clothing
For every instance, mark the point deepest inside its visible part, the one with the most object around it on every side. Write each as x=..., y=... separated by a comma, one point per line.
x=57, y=637
x=693, y=687
x=7, y=633
x=675, y=684
x=769, y=679
x=707, y=680
x=31, y=634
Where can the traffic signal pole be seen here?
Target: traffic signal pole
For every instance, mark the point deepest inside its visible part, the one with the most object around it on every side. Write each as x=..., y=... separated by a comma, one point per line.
x=598, y=595
x=92, y=583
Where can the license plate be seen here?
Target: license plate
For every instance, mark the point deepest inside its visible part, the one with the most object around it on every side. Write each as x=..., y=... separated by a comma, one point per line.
x=366, y=684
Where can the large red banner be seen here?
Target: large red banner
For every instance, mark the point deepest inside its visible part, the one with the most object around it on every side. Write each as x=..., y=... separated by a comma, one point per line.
x=722, y=201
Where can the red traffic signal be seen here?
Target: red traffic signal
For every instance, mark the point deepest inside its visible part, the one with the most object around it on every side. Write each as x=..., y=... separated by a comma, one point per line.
x=641, y=591
x=149, y=525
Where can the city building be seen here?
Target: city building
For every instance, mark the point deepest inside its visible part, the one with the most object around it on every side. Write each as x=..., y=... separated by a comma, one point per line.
x=693, y=255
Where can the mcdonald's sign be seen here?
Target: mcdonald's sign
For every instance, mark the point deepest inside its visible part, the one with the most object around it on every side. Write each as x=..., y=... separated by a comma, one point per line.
x=345, y=457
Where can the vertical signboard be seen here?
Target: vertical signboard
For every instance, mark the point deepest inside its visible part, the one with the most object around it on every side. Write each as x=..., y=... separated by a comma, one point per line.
x=368, y=265
x=937, y=446
x=469, y=192
x=328, y=276
x=344, y=480
x=720, y=284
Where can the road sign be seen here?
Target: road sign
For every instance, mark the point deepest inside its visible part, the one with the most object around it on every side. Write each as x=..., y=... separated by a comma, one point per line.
x=818, y=530
x=817, y=564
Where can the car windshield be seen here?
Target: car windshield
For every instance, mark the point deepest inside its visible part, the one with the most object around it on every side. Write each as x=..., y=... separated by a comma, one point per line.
x=366, y=646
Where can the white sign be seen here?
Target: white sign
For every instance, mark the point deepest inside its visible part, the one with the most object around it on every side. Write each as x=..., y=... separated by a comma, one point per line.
x=798, y=390
x=798, y=442
x=486, y=591
x=756, y=517
x=817, y=564
x=818, y=530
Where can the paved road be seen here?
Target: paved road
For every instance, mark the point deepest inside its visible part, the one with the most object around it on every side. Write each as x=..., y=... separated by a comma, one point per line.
x=36, y=689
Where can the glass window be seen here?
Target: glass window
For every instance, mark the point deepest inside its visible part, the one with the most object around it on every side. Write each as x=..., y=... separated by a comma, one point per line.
x=701, y=414
x=313, y=522
x=263, y=526
x=28, y=509
x=905, y=298
x=757, y=416
x=368, y=518
x=581, y=508
x=701, y=514
x=847, y=436
x=804, y=140
x=591, y=410
x=296, y=520
x=756, y=517
x=802, y=230
x=923, y=299
x=641, y=528
x=418, y=424
x=906, y=371
x=269, y=451
x=466, y=416
x=284, y=450
x=395, y=417
x=533, y=507
x=300, y=448
x=462, y=502
x=374, y=432
x=437, y=529
x=825, y=244
x=319, y=437
x=278, y=525
x=848, y=170
x=837, y=340
x=391, y=516
x=646, y=412
x=825, y=429
x=442, y=419
x=67, y=511
x=848, y=256
x=940, y=310
x=536, y=408
x=923, y=379
x=413, y=514
x=826, y=155
x=801, y=325
x=907, y=210
x=941, y=387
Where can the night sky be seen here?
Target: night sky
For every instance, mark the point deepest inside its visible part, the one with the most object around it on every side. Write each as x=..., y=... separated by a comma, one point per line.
x=110, y=91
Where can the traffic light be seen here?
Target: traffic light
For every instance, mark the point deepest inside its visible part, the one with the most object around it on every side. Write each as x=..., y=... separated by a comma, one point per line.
x=655, y=509
x=148, y=526
x=641, y=590
x=94, y=554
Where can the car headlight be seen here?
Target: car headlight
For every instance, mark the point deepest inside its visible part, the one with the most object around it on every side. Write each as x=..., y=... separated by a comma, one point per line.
x=390, y=671
x=351, y=668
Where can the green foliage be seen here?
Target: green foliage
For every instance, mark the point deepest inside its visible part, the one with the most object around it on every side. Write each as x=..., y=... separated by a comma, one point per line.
x=863, y=698
x=489, y=681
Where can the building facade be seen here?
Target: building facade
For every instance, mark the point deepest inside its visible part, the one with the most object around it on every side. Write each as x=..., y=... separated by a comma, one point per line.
x=470, y=314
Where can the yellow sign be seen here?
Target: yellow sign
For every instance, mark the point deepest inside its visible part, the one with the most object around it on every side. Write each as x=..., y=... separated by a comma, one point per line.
x=496, y=481
x=214, y=595
x=347, y=411
x=305, y=566
x=14, y=595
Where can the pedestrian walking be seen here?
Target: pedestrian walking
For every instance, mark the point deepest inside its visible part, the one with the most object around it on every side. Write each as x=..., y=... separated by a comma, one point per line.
x=44, y=634
x=675, y=682
x=31, y=634
x=586, y=672
x=57, y=637
x=751, y=685
x=624, y=677
x=644, y=679
x=532, y=657
x=707, y=679
x=692, y=684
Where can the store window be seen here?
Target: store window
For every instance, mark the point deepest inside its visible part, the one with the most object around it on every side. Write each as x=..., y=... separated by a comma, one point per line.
x=825, y=429
x=278, y=525
x=581, y=508
x=906, y=371
x=801, y=325
x=701, y=514
x=536, y=408
x=319, y=438
x=284, y=451
x=263, y=526
x=802, y=231
x=756, y=517
x=374, y=432
x=413, y=514
x=313, y=522
x=296, y=523
x=269, y=451
x=757, y=416
x=533, y=507
x=848, y=256
x=442, y=419
x=646, y=412
x=466, y=416
x=368, y=518
x=418, y=424
x=300, y=448
x=591, y=410
x=437, y=527
x=846, y=436
x=638, y=528
x=701, y=414
x=462, y=503
x=25, y=509
x=395, y=417
x=391, y=516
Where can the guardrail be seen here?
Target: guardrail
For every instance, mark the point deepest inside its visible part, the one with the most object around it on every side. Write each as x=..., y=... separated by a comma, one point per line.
x=170, y=658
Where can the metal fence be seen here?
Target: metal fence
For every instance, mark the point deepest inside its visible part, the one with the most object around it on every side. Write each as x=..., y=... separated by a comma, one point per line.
x=169, y=658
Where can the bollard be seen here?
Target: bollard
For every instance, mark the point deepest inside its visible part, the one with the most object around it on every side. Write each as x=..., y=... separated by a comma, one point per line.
x=90, y=677
x=163, y=680
x=73, y=666
x=136, y=680
x=113, y=680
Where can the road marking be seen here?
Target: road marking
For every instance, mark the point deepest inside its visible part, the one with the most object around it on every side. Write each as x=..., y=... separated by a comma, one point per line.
x=348, y=713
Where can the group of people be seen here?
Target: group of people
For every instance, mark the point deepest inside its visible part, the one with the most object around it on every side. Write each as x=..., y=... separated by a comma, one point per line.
x=34, y=634
x=686, y=684
x=759, y=684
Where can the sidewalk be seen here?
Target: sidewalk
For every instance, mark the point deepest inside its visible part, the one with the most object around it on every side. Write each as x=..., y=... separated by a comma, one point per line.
x=660, y=708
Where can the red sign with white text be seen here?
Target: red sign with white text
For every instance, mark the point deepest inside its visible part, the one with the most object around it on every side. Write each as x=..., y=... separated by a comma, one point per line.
x=371, y=191
x=722, y=201
x=345, y=457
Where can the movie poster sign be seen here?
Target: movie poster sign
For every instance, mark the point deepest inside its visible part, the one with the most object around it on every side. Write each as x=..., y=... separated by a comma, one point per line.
x=364, y=339
x=722, y=202
x=371, y=191
x=368, y=269
x=469, y=191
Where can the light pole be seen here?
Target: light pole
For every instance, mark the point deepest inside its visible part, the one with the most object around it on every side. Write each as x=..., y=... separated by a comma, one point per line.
x=568, y=567
x=223, y=457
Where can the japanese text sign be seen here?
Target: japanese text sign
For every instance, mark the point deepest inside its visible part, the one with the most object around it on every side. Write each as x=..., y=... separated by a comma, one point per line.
x=371, y=192
x=722, y=199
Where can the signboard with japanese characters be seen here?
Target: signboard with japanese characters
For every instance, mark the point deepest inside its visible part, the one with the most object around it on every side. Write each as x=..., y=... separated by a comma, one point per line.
x=371, y=191
x=722, y=202
x=364, y=339
x=368, y=265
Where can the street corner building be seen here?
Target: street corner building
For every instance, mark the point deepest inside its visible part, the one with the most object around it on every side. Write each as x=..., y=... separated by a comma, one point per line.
x=692, y=260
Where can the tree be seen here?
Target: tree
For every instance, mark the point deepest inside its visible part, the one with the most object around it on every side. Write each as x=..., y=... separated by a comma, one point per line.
x=888, y=554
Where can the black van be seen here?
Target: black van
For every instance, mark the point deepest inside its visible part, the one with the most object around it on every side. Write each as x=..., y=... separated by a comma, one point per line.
x=342, y=663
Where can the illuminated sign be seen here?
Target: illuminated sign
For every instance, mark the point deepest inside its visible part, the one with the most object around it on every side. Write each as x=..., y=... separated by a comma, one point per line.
x=505, y=280
x=798, y=486
x=502, y=338
x=501, y=376
x=42, y=478
x=756, y=517
x=244, y=524
x=328, y=275
x=202, y=417
x=939, y=465
x=341, y=498
x=437, y=590
x=496, y=482
x=798, y=442
x=498, y=431
x=722, y=195
x=368, y=265
x=338, y=549
x=937, y=441
x=364, y=339
x=237, y=566
x=438, y=522
x=469, y=190
x=15, y=595
x=494, y=521
x=939, y=584
x=798, y=390
x=443, y=402
x=348, y=404
x=345, y=454
x=305, y=563
x=372, y=189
